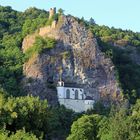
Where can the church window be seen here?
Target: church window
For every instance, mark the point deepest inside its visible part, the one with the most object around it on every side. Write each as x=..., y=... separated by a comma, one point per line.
x=76, y=94
x=68, y=94
x=82, y=97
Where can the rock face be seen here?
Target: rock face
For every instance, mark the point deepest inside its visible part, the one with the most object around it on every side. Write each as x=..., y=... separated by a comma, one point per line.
x=79, y=59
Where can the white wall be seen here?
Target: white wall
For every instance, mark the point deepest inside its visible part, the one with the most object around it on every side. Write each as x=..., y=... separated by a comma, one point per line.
x=76, y=105
x=61, y=92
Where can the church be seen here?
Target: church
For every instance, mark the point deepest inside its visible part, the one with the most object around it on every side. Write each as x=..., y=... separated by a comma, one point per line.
x=73, y=98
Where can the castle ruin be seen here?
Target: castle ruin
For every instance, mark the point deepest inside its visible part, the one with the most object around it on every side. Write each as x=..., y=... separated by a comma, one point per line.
x=52, y=12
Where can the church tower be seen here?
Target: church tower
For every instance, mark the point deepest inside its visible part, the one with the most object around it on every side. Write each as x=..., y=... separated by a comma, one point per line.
x=60, y=90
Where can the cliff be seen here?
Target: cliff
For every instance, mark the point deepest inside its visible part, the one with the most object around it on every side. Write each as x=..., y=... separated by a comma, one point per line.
x=77, y=56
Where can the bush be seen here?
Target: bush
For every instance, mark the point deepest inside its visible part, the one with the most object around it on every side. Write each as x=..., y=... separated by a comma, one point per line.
x=85, y=128
x=19, y=135
x=23, y=112
x=39, y=46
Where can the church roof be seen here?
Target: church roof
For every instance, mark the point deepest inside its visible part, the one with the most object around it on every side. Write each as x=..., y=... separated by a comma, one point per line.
x=72, y=85
x=88, y=98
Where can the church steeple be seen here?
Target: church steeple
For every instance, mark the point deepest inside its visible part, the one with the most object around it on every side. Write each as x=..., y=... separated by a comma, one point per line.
x=60, y=82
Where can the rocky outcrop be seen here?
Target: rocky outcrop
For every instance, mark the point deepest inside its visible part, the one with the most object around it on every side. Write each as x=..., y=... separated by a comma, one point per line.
x=77, y=56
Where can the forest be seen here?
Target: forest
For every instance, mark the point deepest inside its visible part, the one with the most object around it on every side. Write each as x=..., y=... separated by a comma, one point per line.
x=27, y=117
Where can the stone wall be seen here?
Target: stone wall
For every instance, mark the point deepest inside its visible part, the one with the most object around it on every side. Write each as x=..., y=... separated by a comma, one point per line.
x=77, y=105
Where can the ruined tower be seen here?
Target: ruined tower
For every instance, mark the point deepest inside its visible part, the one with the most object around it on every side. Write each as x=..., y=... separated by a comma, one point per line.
x=52, y=12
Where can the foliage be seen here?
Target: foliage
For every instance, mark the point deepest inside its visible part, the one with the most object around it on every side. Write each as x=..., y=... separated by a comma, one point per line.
x=9, y=21
x=134, y=122
x=33, y=13
x=14, y=26
x=85, y=128
x=115, y=127
x=23, y=112
x=34, y=19
x=116, y=35
x=30, y=26
x=29, y=113
x=120, y=45
x=29, y=117
x=122, y=123
x=127, y=41
x=39, y=46
x=60, y=11
x=99, y=108
x=59, y=124
x=91, y=21
x=34, y=115
x=11, y=63
x=19, y=135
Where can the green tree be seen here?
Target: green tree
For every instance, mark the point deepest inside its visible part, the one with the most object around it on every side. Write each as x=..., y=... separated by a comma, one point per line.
x=60, y=11
x=19, y=135
x=59, y=122
x=115, y=127
x=24, y=112
x=34, y=116
x=134, y=122
x=85, y=128
x=40, y=45
x=11, y=63
x=91, y=21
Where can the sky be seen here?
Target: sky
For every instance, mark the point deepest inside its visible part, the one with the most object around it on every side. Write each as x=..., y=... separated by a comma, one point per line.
x=123, y=14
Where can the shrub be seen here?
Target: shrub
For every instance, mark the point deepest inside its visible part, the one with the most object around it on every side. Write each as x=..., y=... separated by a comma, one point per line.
x=39, y=46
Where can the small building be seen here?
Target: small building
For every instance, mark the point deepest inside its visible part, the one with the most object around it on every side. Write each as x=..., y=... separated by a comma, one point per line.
x=73, y=98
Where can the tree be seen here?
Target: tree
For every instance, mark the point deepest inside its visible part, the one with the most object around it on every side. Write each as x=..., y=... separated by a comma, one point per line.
x=34, y=116
x=59, y=122
x=24, y=112
x=91, y=21
x=134, y=122
x=19, y=135
x=41, y=44
x=115, y=127
x=85, y=128
x=60, y=11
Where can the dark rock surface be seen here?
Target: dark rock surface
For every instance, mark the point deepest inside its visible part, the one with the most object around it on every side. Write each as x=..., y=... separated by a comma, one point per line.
x=79, y=59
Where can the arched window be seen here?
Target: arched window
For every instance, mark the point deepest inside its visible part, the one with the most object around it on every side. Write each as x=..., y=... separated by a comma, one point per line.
x=82, y=96
x=76, y=94
x=67, y=94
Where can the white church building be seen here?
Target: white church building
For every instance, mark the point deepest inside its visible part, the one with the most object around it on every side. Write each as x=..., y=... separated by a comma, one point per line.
x=73, y=98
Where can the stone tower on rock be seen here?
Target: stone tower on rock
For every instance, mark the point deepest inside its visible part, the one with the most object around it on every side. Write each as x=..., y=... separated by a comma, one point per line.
x=52, y=12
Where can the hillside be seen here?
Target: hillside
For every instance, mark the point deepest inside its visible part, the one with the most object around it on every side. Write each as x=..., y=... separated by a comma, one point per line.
x=125, y=54
x=36, y=50
x=123, y=48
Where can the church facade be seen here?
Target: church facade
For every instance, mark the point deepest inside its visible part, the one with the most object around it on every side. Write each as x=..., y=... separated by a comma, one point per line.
x=73, y=98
